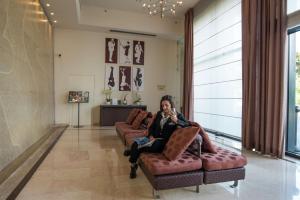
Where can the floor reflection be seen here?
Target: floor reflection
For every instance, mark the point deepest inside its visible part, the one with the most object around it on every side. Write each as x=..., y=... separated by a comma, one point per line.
x=88, y=164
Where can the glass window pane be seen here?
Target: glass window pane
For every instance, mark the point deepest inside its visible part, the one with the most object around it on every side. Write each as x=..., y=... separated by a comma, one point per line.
x=297, y=88
x=297, y=54
x=293, y=135
x=292, y=6
x=218, y=68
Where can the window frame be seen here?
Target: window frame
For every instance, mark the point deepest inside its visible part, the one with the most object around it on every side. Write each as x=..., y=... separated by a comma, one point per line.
x=292, y=109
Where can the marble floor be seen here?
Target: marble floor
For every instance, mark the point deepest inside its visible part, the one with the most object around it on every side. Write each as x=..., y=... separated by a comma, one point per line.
x=88, y=164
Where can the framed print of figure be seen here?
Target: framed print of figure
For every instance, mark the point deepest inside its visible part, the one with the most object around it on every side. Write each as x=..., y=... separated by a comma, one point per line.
x=138, y=79
x=124, y=78
x=111, y=77
x=138, y=52
x=125, y=52
x=111, y=50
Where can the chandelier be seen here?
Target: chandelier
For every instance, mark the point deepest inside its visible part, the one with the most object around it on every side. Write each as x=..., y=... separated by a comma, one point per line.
x=160, y=7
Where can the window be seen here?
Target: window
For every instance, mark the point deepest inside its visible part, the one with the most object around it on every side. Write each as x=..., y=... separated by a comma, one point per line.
x=293, y=134
x=218, y=67
x=292, y=6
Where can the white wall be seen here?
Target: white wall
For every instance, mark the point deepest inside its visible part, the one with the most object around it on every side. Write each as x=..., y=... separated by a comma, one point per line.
x=82, y=67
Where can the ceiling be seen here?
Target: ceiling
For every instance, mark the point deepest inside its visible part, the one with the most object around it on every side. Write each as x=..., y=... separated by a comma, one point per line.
x=136, y=5
x=122, y=15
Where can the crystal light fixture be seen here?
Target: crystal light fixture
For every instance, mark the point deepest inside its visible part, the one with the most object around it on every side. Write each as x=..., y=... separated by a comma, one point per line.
x=160, y=7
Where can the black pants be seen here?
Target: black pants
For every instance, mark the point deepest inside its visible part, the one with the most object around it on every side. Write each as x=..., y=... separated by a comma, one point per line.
x=156, y=147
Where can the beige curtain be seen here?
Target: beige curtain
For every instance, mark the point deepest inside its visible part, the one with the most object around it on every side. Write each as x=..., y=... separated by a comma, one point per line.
x=188, y=66
x=263, y=45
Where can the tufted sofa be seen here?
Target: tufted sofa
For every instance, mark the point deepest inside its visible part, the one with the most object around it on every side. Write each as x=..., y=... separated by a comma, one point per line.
x=200, y=163
x=133, y=128
x=126, y=130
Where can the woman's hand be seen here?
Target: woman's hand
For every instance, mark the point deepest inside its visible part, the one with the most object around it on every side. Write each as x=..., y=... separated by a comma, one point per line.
x=174, y=118
x=151, y=138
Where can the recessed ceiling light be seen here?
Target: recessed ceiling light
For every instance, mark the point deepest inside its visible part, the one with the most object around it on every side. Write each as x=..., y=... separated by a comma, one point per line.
x=55, y=21
x=47, y=4
x=52, y=13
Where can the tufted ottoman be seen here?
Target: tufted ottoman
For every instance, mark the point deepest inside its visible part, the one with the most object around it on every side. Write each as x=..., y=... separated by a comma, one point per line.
x=223, y=166
x=164, y=174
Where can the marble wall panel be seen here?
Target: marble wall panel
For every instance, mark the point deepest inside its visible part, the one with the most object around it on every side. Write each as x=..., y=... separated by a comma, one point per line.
x=26, y=77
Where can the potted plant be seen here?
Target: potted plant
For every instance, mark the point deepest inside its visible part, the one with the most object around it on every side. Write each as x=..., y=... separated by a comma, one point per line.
x=137, y=99
x=125, y=99
x=107, y=94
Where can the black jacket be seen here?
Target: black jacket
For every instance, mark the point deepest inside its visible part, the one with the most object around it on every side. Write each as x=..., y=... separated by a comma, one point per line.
x=168, y=128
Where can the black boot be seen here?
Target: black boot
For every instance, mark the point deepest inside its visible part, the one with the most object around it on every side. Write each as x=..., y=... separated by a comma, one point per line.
x=127, y=152
x=133, y=170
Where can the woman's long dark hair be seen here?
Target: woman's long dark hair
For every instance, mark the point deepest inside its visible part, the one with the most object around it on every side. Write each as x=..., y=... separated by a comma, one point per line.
x=167, y=98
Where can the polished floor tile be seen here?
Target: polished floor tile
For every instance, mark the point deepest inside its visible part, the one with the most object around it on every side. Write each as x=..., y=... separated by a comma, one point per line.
x=88, y=164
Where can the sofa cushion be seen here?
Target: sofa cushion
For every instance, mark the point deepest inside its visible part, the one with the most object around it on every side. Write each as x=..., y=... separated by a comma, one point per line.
x=223, y=159
x=179, y=142
x=158, y=164
x=132, y=115
x=146, y=121
x=123, y=128
x=121, y=125
x=207, y=145
x=139, y=118
x=151, y=120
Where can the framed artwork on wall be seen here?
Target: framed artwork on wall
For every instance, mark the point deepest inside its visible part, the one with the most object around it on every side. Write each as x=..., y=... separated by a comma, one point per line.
x=124, y=78
x=137, y=78
x=125, y=52
x=111, y=77
x=138, y=52
x=111, y=50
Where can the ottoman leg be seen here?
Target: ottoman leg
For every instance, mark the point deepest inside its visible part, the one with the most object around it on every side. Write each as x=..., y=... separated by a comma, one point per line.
x=235, y=184
x=155, y=194
x=197, y=188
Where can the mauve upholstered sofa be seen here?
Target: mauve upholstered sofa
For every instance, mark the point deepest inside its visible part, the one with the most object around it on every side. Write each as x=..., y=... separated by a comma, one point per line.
x=133, y=127
x=123, y=129
x=197, y=165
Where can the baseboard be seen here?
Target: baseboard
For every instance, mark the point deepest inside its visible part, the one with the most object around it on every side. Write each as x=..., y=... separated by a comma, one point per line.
x=12, y=166
x=15, y=176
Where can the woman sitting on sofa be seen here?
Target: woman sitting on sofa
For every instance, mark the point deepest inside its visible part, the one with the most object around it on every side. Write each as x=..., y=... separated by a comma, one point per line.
x=165, y=123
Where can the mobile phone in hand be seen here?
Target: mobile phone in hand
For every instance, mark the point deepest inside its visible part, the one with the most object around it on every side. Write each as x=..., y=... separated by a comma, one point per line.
x=174, y=111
